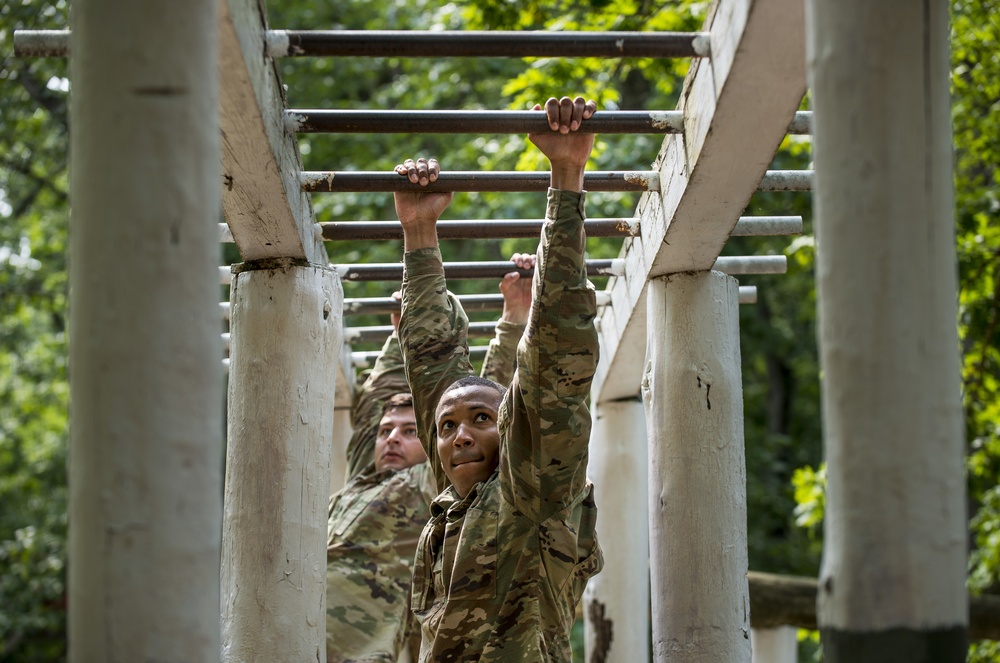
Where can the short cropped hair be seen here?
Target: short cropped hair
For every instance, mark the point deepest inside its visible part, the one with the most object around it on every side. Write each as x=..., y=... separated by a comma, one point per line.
x=476, y=381
x=397, y=402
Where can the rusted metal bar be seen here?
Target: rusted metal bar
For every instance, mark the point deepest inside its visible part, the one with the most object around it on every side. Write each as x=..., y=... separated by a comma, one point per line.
x=470, y=229
x=519, y=228
x=475, y=122
x=491, y=122
x=482, y=43
x=378, y=334
x=367, y=359
x=510, y=180
x=393, y=271
x=787, y=180
x=471, y=304
x=444, y=43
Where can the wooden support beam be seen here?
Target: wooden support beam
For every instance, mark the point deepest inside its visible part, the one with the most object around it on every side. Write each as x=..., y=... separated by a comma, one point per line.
x=616, y=601
x=286, y=341
x=893, y=577
x=778, y=600
x=267, y=212
x=738, y=106
x=774, y=645
x=146, y=441
x=693, y=395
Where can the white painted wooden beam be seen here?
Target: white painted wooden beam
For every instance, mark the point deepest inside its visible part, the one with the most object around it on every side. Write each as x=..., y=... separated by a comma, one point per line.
x=774, y=645
x=267, y=212
x=146, y=442
x=693, y=396
x=287, y=338
x=738, y=106
x=616, y=601
x=893, y=577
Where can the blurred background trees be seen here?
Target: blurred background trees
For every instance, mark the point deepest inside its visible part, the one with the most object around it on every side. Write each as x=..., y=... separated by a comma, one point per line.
x=780, y=371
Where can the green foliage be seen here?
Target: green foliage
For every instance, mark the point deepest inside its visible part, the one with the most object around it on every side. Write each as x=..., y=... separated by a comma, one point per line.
x=34, y=393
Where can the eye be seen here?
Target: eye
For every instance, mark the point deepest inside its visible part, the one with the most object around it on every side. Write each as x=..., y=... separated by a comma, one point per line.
x=482, y=416
x=446, y=425
x=410, y=432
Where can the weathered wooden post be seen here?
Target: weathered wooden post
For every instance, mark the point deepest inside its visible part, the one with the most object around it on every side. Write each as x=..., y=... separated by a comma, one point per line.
x=616, y=601
x=693, y=394
x=146, y=378
x=285, y=342
x=341, y=437
x=774, y=645
x=892, y=584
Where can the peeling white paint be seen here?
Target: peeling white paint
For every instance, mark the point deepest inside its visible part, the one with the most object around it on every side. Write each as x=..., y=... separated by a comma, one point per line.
x=702, y=45
x=620, y=45
x=294, y=122
x=667, y=120
x=278, y=45
x=650, y=179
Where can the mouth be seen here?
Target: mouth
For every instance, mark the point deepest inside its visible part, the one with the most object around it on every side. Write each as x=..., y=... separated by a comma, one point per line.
x=390, y=455
x=466, y=461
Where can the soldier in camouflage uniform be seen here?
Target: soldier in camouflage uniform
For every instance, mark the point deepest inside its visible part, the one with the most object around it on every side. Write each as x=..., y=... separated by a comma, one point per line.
x=503, y=561
x=375, y=520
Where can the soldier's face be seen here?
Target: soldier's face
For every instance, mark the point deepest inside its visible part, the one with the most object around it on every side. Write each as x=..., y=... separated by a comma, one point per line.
x=396, y=445
x=468, y=439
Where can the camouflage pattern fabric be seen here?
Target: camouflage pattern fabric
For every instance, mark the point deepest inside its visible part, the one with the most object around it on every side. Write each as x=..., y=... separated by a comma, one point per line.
x=375, y=521
x=498, y=574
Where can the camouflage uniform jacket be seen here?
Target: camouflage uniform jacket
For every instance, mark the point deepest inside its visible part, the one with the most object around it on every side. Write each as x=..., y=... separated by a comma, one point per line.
x=375, y=520
x=498, y=574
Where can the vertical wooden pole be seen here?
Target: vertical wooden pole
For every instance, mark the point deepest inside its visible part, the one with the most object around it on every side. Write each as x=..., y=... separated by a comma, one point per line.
x=775, y=645
x=145, y=439
x=892, y=584
x=697, y=472
x=616, y=601
x=341, y=437
x=286, y=336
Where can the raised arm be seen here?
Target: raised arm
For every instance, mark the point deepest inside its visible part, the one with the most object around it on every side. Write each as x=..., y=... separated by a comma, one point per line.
x=385, y=380
x=433, y=328
x=546, y=455
x=501, y=356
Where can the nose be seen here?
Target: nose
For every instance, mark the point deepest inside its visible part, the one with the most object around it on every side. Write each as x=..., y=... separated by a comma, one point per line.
x=395, y=437
x=463, y=437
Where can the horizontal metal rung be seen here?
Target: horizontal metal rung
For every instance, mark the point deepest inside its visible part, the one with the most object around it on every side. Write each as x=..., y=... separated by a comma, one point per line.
x=471, y=304
x=393, y=271
x=483, y=43
x=492, y=122
x=520, y=228
x=367, y=359
x=444, y=43
x=509, y=180
x=513, y=180
x=475, y=122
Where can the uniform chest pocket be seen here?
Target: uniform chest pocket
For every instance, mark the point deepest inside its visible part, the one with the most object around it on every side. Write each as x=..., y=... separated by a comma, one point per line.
x=474, y=566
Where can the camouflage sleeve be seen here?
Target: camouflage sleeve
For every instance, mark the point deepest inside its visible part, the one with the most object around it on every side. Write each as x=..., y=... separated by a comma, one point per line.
x=544, y=459
x=385, y=380
x=501, y=356
x=433, y=333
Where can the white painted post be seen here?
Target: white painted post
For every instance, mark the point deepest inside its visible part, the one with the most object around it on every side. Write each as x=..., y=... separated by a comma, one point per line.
x=697, y=472
x=341, y=438
x=892, y=583
x=286, y=322
x=775, y=645
x=616, y=601
x=146, y=438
